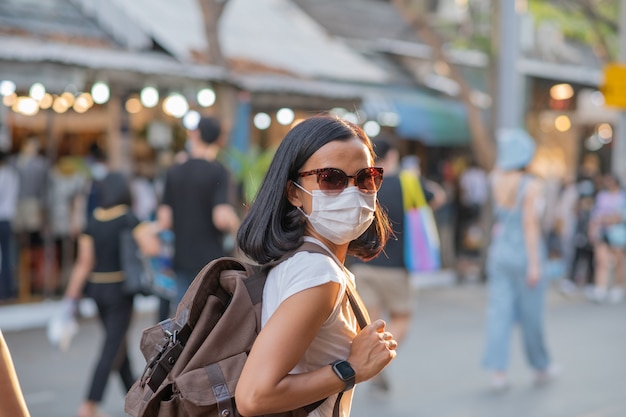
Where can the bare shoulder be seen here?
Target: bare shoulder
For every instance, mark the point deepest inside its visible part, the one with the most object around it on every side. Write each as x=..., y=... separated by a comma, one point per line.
x=536, y=185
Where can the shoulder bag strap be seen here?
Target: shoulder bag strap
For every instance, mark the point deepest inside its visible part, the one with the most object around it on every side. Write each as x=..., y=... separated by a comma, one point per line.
x=412, y=193
x=519, y=197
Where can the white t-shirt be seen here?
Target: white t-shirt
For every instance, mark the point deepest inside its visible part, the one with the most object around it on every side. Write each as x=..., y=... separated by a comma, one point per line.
x=307, y=270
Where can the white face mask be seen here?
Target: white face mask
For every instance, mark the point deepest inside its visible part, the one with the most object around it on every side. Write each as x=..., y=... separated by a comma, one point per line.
x=99, y=171
x=343, y=217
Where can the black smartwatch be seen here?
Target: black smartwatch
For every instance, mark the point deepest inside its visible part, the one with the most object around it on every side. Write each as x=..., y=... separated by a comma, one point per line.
x=344, y=371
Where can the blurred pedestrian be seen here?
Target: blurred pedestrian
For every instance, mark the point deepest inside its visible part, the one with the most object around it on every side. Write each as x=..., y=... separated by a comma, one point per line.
x=320, y=188
x=29, y=221
x=473, y=195
x=607, y=217
x=384, y=282
x=98, y=166
x=66, y=219
x=197, y=205
x=11, y=397
x=98, y=274
x=144, y=193
x=516, y=261
x=9, y=186
x=582, y=266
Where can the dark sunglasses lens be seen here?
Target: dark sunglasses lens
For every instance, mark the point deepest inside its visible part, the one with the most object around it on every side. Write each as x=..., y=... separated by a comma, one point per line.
x=332, y=180
x=369, y=179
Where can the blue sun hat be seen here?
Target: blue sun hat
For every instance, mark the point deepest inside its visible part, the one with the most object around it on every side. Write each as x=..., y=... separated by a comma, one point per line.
x=516, y=148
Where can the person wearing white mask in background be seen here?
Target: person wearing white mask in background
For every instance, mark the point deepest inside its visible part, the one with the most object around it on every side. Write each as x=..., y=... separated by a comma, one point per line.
x=320, y=188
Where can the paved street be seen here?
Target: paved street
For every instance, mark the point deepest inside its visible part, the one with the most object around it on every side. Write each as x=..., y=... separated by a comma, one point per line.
x=436, y=374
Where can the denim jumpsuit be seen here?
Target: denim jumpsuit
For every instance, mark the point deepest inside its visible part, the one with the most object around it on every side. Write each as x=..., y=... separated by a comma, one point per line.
x=510, y=299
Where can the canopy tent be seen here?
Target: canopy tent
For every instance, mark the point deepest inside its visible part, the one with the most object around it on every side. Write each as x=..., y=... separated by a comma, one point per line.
x=434, y=121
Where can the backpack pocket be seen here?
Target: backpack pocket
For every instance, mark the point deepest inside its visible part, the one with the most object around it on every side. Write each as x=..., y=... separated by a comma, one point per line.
x=142, y=402
x=210, y=391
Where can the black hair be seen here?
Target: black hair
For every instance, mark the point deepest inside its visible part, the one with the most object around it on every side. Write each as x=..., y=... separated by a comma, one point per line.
x=113, y=190
x=273, y=226
x=4, y=156
x=97, y=153
x=209, y=128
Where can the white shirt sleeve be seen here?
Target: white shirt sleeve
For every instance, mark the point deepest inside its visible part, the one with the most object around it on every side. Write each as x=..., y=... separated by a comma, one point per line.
x=302, y=271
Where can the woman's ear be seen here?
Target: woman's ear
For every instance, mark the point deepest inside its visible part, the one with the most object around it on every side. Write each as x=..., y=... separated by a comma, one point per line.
x=293, y=195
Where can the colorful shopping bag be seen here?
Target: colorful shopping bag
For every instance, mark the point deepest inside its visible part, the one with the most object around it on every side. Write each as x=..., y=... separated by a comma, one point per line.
x=421, y=238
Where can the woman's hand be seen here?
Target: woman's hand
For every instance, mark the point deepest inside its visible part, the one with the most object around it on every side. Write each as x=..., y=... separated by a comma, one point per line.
x=372, y=350
x=533, y=276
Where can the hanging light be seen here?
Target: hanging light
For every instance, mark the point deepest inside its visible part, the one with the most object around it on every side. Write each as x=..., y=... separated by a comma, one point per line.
x=388, y=118
x=372, y=128
x=206, y=97
x=46, y=101
x=69, y=97
x=26, y=106
x=175, y=105
x=149, y=97
x=100, y=92
x=9, y=99
x=7, y=87
x=350, y=117
x=285, y=116
x=338, y=111
x=60, y=105
x=133, y=105
x=561, y=91
x=191, y=120
x=81, y=104
x=37, y=91
x=562, y=123
x=85, y=99
x=262, y=121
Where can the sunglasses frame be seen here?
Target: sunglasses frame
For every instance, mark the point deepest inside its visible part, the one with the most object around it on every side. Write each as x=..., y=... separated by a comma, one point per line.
x=317, y=172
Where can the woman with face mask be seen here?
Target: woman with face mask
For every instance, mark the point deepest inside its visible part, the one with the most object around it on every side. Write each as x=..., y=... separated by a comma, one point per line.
x=320, y=188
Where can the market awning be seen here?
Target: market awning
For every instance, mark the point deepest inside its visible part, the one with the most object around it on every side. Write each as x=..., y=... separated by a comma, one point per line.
x=434, y=121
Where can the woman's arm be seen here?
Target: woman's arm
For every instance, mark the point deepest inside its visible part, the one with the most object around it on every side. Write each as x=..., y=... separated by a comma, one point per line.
x=532, y=213
x=82, y=268
x=265, y=385
x=11, y=397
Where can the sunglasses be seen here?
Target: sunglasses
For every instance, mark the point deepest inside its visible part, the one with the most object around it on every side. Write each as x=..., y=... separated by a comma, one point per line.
x=334, y=180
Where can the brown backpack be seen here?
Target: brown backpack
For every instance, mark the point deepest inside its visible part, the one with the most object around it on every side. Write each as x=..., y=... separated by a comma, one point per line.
x=194, y=359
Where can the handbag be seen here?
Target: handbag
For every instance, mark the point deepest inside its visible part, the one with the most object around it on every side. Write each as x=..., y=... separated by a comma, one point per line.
x=136, y=278
x=146, y=257
x=63, y=326
x=160, y=267
x=421, y=239
x=616, y=235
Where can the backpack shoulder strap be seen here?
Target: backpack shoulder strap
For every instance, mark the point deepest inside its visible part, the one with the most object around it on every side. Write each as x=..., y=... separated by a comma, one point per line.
x=209, y=284
x=353, y=296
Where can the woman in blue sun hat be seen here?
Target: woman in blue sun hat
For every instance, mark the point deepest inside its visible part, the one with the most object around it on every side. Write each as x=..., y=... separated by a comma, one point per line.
x=516, y=261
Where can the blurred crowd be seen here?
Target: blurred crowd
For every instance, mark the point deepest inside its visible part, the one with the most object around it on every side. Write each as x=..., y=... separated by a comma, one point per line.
x=583, y=226
x=45, y=204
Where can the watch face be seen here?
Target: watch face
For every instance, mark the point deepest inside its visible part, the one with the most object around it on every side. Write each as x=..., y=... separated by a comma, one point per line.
x=345, y=370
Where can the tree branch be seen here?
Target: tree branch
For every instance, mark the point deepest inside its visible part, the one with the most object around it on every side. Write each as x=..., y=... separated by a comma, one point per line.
x=483, y=147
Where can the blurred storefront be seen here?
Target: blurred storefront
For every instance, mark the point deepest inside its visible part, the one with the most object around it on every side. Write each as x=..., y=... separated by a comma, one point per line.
x=571, y=125
x=128, y=77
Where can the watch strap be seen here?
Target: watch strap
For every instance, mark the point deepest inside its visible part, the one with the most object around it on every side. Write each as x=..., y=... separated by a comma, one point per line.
x=348, y=380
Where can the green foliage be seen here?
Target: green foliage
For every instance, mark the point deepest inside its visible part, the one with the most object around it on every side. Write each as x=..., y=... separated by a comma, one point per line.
x=250, y=168
x=593, y=25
